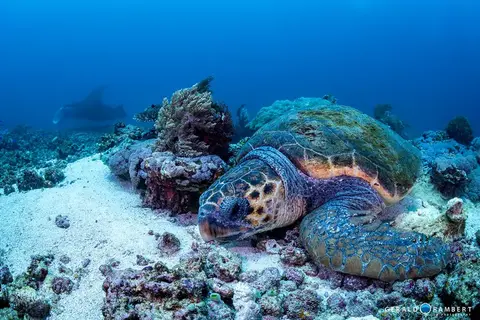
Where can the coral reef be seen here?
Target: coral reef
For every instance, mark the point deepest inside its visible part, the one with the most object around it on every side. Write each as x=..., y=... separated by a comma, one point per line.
x=460, y=130
x=383, y=113
x=166, y=181
x=191, y=124
x=33, y=159
x=150, y=114
x=453, y=167
x=35, y=293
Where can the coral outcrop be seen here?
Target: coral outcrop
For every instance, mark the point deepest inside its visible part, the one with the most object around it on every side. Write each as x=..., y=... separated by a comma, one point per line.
x=460, y=130
x=175, y=183
x=452, y=166
x=150, y=114
x=192, y=124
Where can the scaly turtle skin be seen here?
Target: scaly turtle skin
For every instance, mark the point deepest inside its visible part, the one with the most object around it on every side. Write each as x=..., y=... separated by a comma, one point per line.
x=337, y=168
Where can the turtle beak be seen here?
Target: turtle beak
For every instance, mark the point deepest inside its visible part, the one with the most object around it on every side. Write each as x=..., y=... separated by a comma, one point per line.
x=215, y=225
x=211, y=232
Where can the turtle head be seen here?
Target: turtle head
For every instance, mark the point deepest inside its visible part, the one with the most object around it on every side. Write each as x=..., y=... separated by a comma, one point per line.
x=248, y=199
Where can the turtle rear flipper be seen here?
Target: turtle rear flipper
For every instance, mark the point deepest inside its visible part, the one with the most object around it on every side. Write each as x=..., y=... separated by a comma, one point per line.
x=345, y=235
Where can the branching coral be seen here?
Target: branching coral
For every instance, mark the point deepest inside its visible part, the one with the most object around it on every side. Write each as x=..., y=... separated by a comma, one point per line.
x=192, y=124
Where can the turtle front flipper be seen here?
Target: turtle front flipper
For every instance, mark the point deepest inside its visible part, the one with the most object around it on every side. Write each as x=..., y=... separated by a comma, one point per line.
x=345, y=235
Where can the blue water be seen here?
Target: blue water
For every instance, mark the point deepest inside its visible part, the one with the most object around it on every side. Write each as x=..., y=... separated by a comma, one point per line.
x=420, y=56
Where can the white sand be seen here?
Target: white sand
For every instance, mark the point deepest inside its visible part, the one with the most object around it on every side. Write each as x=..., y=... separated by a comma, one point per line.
x=107, y=221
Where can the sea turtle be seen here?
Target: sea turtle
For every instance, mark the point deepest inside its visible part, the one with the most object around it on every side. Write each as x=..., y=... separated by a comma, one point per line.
x=336, y=168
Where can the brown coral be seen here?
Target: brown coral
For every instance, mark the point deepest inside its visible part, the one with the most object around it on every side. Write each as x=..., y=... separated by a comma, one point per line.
x=192, y=124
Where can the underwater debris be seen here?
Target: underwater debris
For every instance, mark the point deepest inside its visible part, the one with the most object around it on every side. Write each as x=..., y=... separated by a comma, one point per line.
x=191, y=124
x=383, y=113
x=460, y=130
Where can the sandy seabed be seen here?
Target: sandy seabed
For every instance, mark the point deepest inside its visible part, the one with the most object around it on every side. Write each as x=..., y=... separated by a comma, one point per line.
x=107, y=222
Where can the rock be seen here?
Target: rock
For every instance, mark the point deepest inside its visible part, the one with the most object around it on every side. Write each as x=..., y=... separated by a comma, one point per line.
x=459, y=129
x=218, y=310
x=269, y=279
x=301, y=304
x=448, y=178
x=270, y=246
x=124, y=161
x=64, y=259
x=424, y=290
x=86, y=263
x=8, y=189
x=26, y=301
x=477, y=236
x=224, y=289
x=223, y=264
x=30, y=180
x=141, y=260
x=454, y=211
x=244, y=303
x=38, y=270
x=271, y=304
x=293, y=256
x=335, y=278
x=62, y=221
x=294, y=275
x=354, y=283
x=5, y=275
x=463, y=285
x=287, y=286
x=175, y=183
x=168, y=244
x=62, y=285
x=336, y=303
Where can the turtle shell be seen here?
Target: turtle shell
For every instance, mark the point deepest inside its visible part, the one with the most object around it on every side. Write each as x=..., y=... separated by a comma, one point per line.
x=326, y=141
